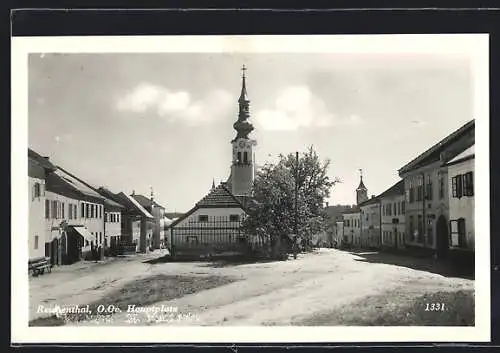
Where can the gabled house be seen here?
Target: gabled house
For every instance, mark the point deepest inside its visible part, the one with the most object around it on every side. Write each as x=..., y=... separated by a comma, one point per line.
x=137, y=224
x=426, y=192
x=211, y=226
x=352, y=227
x=158, y=212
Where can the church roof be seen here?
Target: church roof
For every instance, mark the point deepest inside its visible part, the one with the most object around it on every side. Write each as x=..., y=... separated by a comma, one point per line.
x=361, y=185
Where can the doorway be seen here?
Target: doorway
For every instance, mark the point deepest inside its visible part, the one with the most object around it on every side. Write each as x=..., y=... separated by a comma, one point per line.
x=442, y=244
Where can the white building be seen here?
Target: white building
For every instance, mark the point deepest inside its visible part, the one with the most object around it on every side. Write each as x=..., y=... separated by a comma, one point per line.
x=38, y=168
x=352, y=228
x=392, y=204
x=213, y=225
x=461, y=200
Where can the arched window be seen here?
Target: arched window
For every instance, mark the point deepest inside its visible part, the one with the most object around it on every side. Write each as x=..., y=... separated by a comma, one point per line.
x=245, y=157
x=238, y=160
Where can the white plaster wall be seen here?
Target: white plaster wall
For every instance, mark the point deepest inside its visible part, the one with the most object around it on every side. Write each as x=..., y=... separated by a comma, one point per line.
x=36, y=216
x=463, y=207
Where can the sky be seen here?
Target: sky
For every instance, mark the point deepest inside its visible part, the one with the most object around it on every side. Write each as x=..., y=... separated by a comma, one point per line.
x=164, y=120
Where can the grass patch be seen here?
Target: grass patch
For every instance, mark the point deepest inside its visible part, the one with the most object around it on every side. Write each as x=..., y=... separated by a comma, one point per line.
x=142, y=292
x=401, y=309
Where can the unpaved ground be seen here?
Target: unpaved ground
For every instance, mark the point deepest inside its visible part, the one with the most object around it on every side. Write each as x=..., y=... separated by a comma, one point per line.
x=273, y=293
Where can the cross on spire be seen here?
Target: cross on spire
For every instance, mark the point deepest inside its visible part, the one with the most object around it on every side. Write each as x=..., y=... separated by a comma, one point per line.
x=361, y=173
x=243, y=69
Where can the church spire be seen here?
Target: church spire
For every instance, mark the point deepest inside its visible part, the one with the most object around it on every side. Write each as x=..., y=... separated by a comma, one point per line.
x=242, y=126
x=361, y=184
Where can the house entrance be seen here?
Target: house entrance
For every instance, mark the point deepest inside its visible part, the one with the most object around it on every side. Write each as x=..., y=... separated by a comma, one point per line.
x=442, y=244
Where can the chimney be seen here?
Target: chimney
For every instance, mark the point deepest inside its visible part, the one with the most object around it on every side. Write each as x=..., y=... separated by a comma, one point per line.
x=373, y=196
x=133, y=192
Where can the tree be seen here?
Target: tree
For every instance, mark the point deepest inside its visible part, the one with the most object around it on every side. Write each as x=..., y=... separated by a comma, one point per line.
x=271, y=214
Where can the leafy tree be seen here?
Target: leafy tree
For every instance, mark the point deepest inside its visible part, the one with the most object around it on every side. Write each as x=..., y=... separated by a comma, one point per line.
x=271, y=214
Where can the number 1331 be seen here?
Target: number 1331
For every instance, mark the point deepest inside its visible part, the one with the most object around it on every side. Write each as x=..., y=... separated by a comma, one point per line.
x=434, y=307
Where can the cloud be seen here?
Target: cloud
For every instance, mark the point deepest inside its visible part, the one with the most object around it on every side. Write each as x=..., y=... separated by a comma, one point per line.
x=175, y=106
x=296, y=107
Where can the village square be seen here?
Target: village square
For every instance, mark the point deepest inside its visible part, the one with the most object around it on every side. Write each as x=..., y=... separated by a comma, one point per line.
x=263, y=246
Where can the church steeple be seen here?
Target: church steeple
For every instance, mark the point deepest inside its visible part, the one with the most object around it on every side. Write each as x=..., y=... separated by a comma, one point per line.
x=361, y=191
x=242, y=165
x=242, y=126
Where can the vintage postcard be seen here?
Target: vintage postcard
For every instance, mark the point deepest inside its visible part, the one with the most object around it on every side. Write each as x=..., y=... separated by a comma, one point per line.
x=250, y=189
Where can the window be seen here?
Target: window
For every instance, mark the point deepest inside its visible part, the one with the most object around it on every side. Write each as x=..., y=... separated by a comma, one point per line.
x=420, y=191
x=245, y=157
x=468, y=184
x=70, y=211
x=36, y=191
x=100, y=211
x=456, y=186
x=389, y=209
x=411, y=197
x=399, y=208
x=403, y=207
x=82, y=207
x=411, y=228
x=118, y=218
x=87, y=210
x=239, y=157
x=420, y=226
x=428, y=187
x=62, y=209
x=36, y=242
x=441, y=187
x=93, y=211
x=54, y=209
x=105, y=217
x=75, y=213
x=234, y=218
x=457, y=233
x=100, y=237
x=192, y=239
x=47, y=209
x=203, y=218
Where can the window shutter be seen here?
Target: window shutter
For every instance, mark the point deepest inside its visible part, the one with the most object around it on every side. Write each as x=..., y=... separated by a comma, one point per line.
x=454, y=187
x=459, y=185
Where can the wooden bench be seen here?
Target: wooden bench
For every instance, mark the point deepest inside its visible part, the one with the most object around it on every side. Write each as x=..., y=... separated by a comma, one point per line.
x=38, y=267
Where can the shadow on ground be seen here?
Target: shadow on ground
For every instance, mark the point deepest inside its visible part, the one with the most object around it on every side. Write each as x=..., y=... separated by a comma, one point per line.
x=214, y=262
x=447, y=268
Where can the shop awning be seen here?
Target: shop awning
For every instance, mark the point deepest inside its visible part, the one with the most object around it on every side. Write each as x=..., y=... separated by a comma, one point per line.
x=84, y=233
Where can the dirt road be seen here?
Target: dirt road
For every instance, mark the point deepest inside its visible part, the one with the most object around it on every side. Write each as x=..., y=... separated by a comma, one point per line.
x=273, y=293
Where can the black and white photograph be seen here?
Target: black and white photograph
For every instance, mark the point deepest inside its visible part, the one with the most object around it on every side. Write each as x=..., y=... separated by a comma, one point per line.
x=256, y=187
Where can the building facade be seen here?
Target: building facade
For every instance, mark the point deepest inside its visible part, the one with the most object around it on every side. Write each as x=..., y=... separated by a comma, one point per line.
x=38, y=168
x=370, y=223
x=158, y=212
x=461, y=200
x=427, y=192
x=352, y=228
x=392, y=205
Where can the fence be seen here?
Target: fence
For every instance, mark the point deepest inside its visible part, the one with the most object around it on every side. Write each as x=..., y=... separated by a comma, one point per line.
x=216, y=236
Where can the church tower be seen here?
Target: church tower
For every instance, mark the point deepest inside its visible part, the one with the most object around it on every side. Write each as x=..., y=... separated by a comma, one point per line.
x=361, y=191
x=242, y=167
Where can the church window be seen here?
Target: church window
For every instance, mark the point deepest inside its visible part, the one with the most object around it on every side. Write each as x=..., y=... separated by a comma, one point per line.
x=245, y=157
x=239, y=157
x=203, y=218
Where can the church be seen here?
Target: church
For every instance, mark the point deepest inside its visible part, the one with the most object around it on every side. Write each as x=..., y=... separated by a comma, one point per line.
x=213, y=225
